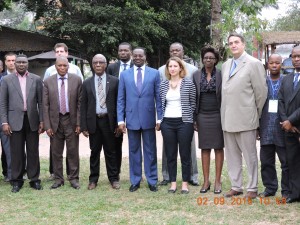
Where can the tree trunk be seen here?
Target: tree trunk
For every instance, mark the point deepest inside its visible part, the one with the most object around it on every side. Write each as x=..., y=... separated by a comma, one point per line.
x=216, y=20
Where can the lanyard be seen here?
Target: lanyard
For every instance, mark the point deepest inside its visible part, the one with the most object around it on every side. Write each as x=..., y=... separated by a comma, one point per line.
x=274, y=87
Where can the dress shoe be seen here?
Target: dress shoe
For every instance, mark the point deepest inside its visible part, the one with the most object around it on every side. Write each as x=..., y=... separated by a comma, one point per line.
x=6, y=179
x=36, y=185
x=232, y=193
x=184, y=191
x=92, y=186
x=193, y=183
x=115, y=185
x=172, y=190
x=251, y=194
x=75, y=184
x=133, y=188
x=218, y=191
x=56, y=185
x=164, y=183
x=204, y=190
x=51, y=177
x=265, y=194
x=290, y=200
x=153, y=188
x=15, y=189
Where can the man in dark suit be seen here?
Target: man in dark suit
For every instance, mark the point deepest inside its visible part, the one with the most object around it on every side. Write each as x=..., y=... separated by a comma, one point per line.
x=61, y=108
x=115, y=69
x=138, y=100
x=99, y=121
x=10, y=59
x=289, y=111
x=22, y=121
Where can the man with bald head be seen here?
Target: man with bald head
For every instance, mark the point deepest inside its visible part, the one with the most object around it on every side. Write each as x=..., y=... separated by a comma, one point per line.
x=99, y=121
x=289, y=111
x=62, y=121
x=22, y=122
x=272, y=136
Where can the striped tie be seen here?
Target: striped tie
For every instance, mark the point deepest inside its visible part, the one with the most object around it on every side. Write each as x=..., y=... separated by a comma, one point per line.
x=101, y=93
x=63, y=107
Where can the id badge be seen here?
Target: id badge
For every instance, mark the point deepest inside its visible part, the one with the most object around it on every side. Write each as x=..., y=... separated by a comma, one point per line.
x=273, y=106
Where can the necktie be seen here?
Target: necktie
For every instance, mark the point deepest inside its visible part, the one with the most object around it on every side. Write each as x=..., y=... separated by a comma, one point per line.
x=232, y=68
x=296, y=80
x=139, y=82
x=101, y=93
x=63, y=107
x=124, y=66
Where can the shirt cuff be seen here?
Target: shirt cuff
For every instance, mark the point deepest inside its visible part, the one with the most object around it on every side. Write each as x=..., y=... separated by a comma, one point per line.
x=121, y=122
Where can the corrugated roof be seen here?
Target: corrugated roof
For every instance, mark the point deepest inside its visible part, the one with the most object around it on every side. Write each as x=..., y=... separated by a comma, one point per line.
x=281, y=37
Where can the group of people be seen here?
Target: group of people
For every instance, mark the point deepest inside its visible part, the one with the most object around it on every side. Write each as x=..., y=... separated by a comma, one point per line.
x=228, y=109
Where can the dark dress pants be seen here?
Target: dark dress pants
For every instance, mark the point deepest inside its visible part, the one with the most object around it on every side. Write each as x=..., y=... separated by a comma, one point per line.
x=65, y=132
x=105, y=137
x=51, y=163
x=175, y=132
x=18, y=139
x=268, y=169
x=293, y=160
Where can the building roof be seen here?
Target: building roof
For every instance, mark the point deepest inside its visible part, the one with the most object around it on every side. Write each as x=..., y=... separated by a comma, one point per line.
x=281, y=37
x=12, y=40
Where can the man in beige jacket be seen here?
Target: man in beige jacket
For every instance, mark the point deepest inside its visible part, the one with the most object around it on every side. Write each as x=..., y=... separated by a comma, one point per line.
x=244, y=92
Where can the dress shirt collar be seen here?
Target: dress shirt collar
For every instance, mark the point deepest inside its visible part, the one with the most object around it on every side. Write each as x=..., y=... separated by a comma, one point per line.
x=103, y=76
x=26, y=74
x=239, y=59
x=142, y=67
x=127, y=63
x=65, y=76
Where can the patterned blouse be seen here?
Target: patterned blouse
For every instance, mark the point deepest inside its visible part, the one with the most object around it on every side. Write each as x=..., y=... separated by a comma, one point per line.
x=208, y=86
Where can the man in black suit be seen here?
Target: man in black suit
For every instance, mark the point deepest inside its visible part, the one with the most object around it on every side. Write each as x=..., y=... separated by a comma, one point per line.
x=99, y=121
x=22, y=121
x=115, y=69
x=289, y=111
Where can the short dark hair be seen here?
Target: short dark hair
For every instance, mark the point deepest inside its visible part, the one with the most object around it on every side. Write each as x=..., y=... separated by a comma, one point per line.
x=235, y=34
x=140, y=48
x=126, y=43
x=211, y=49
x=9, y=54
x=58, y=45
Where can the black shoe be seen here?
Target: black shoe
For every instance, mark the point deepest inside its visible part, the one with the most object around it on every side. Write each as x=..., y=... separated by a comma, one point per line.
x=172, y=190
x=153, y=188
x=193, y=183
x=36, y=185
x=15, y=189
x=6, y=179
x=133, y=188
x=56, y=185
x=185, y=191
x=204, y=190
x=75, y=184
x=164, y=183
x=265, y=194
x=290, y=200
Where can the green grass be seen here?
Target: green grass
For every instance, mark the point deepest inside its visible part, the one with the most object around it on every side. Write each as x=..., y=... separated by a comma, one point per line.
x=107, y=206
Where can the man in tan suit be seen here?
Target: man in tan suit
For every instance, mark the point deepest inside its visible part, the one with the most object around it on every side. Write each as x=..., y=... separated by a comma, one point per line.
x=244, y=92
x=61, y=107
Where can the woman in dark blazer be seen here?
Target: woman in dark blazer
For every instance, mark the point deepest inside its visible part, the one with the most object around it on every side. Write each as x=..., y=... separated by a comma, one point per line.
x=178, y=97
x=208, y=82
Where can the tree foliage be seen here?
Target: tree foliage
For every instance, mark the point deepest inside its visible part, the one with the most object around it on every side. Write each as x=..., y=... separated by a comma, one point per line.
x=98, y=26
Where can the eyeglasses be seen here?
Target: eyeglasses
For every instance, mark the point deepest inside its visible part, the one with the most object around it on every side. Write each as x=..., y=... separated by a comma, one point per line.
x=209, y=58
x=100, y=62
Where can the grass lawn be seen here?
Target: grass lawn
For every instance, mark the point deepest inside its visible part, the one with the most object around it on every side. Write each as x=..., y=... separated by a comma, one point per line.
x=107, y=206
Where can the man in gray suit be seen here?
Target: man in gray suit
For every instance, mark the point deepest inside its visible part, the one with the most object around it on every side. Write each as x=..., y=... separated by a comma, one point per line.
x=244, y=92
x=176, y=49
x=22, y=121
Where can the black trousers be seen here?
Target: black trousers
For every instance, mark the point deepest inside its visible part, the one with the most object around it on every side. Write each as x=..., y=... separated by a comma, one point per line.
x=175, y=132
x=3, y=162
x=103, y=137
x=268, y=169
x=51, y=163
x=18, y=140
x=119, y=142
x=293, y=160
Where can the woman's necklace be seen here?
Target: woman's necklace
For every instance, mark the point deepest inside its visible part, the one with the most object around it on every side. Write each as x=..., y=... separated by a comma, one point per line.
x=174, y=86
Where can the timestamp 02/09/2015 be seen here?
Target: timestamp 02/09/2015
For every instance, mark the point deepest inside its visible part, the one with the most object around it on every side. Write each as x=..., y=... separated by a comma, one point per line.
x=236, y=201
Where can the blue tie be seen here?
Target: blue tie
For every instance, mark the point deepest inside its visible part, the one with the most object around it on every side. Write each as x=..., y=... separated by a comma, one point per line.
x=139, y=82
x=124, y=66
x=232, y=68
x=296, y=80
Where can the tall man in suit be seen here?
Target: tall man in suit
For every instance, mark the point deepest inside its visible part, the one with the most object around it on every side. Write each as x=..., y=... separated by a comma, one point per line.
x=61, y=107
x=244, y=92
x=138, y=100
x=289, y=111
x=176, y=49
x=115, y=69
x=61, y=49
x=10, y=59
x=99, y=121
x=22, y=121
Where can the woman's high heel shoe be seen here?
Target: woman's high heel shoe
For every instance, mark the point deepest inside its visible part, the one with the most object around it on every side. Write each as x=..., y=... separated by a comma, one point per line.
x=204, y=190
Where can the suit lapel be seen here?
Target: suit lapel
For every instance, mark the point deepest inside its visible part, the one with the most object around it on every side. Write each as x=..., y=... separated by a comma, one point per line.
x=70, y=80
x=17, y=85
x=293, y=92
x=198, y=80
x=107, y=85
x=29, y=83
x=146, y=78
x=54, y=84
x=93, y=87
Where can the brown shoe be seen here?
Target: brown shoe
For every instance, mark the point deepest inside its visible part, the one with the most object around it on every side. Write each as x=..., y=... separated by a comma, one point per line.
x=92, y=186
x=232, y=193
x=115, y=185
x=251, y=194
